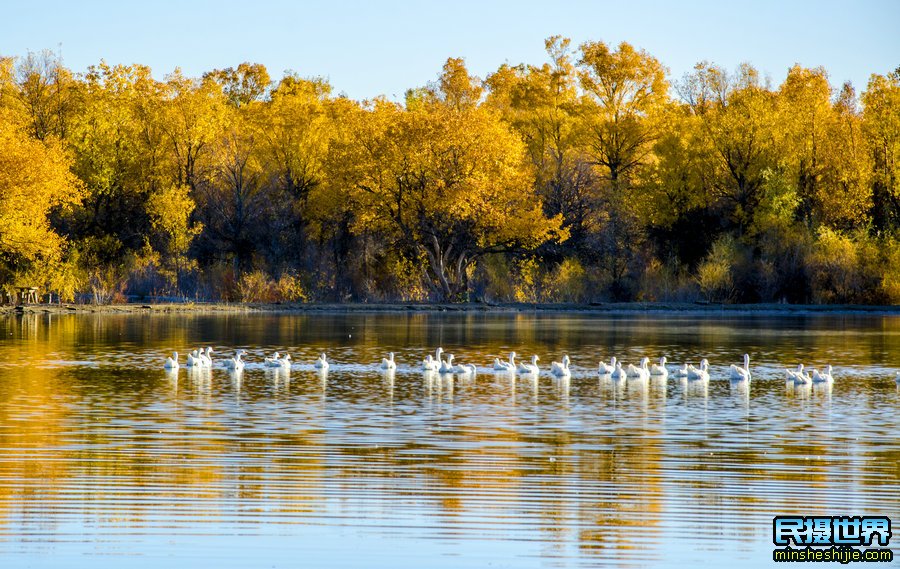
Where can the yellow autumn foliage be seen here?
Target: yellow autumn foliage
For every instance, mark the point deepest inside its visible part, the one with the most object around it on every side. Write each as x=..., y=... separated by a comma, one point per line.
x=584, y=177
x=34, y=179
x=449, y=180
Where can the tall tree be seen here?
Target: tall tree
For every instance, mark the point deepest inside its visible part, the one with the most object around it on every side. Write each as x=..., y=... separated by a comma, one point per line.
x=844, y=197
x=192, y=116
x=46, y=92
x=294, y=129
x=540, y=103
x=34, y=179
x=738, y=120
x=881, y=116
x=625, y=94
x=170, y=210
x=110, y=154
x=624, y=91
x=244, y=85
x=806, y=116
x=447, y=179
x=235, y=205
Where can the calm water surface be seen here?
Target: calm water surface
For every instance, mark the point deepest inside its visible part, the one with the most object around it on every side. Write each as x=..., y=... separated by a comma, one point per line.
x=108, y=461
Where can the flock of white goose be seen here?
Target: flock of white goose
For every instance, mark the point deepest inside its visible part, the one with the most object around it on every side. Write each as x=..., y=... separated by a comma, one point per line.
x=202, y=359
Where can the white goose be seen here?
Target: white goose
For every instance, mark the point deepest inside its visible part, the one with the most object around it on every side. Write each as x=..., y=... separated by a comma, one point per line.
x=506, y=366
x=642, y=372
x=701, y=373
x=464, y=369
x=561, y=369
x=273, y=361
x=607, y=368
x=681, y=372
x=531, y=368
x=388, y=362
x=193, y=358
x=618, y=373
x=824, y=377
x=206, y=358
x=798, y=376
x=284, y=362
x=741, y=373
x=322, y=362
x=172, y=362
x=433, y=363
x=660, y=370
x=235, y=363
x=446, y=365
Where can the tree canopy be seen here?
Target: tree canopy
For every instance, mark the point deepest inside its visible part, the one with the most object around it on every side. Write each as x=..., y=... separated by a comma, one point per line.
x=591, y=175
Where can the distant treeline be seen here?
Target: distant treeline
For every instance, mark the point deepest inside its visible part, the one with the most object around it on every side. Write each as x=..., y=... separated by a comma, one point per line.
x=591, y=176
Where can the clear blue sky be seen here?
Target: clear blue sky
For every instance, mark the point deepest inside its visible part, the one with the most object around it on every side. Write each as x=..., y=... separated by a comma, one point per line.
x=384, y=47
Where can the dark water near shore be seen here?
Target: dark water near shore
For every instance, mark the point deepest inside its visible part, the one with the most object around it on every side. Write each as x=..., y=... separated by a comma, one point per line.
x=108, y=461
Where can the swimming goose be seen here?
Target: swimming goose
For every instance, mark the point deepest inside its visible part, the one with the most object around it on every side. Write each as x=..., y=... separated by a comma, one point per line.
x=618, y=373
x=235, y=363
x=798, y=376
x=433, y=363
x=701, y=373
x=607, y=368
x=741, y=373
x=531, y=368
x=561, y=369
x=322, y=362
x=172, y=362
x=388, y=362
x=193, y=358
x=506, y=366
x=284, y=362
x=465, y=369
x=273, y=361
x=447, y=365
x=681, y=372
x=660, y=370
x=642, y=372
x=824, y=377
x=206, y=358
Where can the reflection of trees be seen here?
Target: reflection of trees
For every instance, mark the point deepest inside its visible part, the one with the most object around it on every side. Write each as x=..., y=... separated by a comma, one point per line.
x=110, y=437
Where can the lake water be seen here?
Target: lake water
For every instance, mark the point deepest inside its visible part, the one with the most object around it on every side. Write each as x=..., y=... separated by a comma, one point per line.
x=107, y=461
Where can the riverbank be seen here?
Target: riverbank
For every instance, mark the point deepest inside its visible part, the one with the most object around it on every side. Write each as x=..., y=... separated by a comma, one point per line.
x=609, y=308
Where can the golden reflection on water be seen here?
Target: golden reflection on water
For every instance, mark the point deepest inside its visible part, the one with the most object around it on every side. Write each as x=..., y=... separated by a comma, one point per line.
x=96, y=437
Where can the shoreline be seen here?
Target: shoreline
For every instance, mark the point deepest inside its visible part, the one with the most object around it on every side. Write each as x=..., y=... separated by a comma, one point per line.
x=484, y=308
